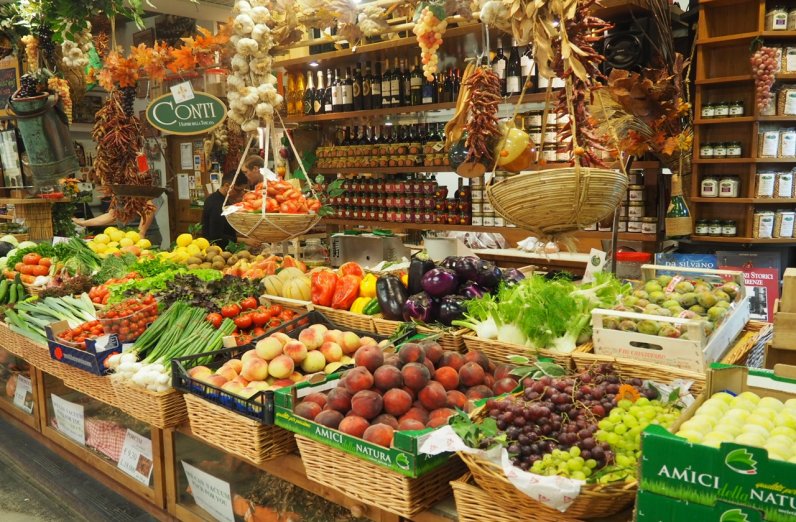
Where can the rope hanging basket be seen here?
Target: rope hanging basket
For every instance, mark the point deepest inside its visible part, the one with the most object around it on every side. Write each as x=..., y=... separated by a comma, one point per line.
x=270, y=227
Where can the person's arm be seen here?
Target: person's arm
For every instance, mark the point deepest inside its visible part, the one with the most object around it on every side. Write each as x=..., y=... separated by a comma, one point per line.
x=145, y=223
x=102, y=220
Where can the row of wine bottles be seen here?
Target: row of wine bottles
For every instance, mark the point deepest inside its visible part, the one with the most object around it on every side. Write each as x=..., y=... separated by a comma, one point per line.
x=376, y=88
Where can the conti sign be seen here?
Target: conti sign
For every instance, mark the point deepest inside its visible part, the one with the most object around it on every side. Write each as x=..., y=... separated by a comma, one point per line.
x=198, y=115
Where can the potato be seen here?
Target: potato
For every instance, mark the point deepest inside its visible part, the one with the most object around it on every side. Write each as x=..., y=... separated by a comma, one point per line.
x=226, y=255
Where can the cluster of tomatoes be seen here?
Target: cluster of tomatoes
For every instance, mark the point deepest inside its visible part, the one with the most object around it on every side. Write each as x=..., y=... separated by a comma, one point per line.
x=31, y=266
x=251, y=319
x=101, y=293
x=130, y=318
x=280, y=197
x=77, y=336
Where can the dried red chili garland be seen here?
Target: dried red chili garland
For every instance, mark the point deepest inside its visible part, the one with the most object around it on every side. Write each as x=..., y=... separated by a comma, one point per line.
x=482, y=123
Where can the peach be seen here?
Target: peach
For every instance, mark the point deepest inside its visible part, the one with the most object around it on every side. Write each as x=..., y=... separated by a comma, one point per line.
x=437, y=422
x=235, y=364
x=249, y=354
x=232, y=387
x=412, y=393
x=269, y=348
x=247, y=392
x=282, y=383
x=477, y=357
x=504, y=385
x=283, y=338
x=255, y=369
x=419, y=414
x=259, y=385
x=397, y=402
x=410, y=425
x=393, y=360
x=433, y=396
x=200, y=372
x=367, y=341
x=433, y=351
x=339, y=399
x=416, y=375
x=320, y=329
x=329, y=418
x=471, y=374
x=411, y=352
x=453, y=359
x=503, y=371
x=430, y=365
x=332, y=351
x=357, y=379
x=311, y=337
x=295, y=350
x=447, y=377
x=316, y=397
x=386, y=418
x=281, y=366
x=314, y=362
x=350, y=343
x=227, y=372
x=479, y=392
x=296, y=376
x=333, y=336
x=380, y=434
x=446, y=413
x=241, y=380
x=367, y=404
x=308, y=410
x=456, y=399
x=489, y=380
x=371, y=357
x=387, y=377
x=354, y=425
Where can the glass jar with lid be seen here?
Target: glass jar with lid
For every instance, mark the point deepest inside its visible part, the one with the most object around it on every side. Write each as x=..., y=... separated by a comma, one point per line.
x=714, y=227
x=721, y=109
x=729, y=187
x=733, y=149
x=701, y=228
x=706, y=151
x=736, y=109
x=635, y=193
x=777, y=18
x=549, y=152
x=709, y=188
x=649, y=225
x=729, y=228
x=635, y=210
x=792, y=19
x=719, y=150
x=708, y=111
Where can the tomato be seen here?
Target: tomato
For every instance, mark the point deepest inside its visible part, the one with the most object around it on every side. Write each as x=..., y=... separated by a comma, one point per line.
x=275, y=309
x=45, y=261
x=259, y=318
x=242, y=340
x=31, y=259
x=273, y=323
x=18, y=266
x=286, y=315
x=215, y=319
x=258, y=332
x=230, y=310
x=243, y=322
x=39, y=270
x=250, y=303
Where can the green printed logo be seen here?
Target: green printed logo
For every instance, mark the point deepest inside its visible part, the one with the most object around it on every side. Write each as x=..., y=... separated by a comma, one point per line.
x=401, y=461
x=741, y=461
x=734, y=515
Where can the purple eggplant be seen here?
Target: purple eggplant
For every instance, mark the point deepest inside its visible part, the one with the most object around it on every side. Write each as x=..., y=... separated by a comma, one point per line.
x=466, y=267
x=419, y=308
x=449, y=262
x=472, y=290
x=489, y=275
x=512, y=276
x=451, y=308
x=439, y=282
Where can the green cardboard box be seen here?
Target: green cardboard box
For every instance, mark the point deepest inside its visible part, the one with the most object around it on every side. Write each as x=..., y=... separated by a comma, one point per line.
x=657, y=508
x=402, y=457
x=742, y=475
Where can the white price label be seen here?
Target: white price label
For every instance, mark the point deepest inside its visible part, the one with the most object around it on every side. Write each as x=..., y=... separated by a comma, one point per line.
x=136, y=457
x=23, y=394
x=70, y=418
x=211, y=494
x=182, y=92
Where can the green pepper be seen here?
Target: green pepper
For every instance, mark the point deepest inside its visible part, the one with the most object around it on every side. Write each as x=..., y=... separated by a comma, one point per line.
x=372, y=308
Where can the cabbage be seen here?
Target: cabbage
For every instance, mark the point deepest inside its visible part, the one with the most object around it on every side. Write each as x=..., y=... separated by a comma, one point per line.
x=9, y=238
x=27, y=244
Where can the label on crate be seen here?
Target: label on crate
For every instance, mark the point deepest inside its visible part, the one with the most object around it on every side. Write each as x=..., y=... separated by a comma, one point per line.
x=70, y=418
x=136, y=457
x=23, y=394
x=210, y=493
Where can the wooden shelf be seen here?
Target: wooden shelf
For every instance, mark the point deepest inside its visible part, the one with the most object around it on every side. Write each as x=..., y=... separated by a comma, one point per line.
x=778, y=34
x=725, y=121
x=777, y=118
x=729, y=39
x=624, y=236
x=756, y=201
x=725, y=79
x=785, y=76
x=775, y=160
x=723, y=160
x=383, y=170
x=722, y=239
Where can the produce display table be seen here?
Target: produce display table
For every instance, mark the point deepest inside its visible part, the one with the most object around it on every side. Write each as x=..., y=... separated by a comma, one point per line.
x=573, y=262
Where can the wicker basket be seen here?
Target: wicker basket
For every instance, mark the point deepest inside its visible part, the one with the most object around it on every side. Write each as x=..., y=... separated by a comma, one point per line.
x=449, y=340
x=8, y=339
x=293, y=304
x=269, y=227
x=749, y=346
x=344, y=318
x=37, y=216
x=97, y=387
x=374, y=484
x=498, y=351
x=473, y=504
x=33, y=290
x=236, y=434
x=162, y=410
x=38, y=355
x=558, y=201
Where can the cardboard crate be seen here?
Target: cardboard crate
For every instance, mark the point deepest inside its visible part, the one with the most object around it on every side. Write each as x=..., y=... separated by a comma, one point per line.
x=788, y=299
x=657, y=508
x=92, y=359
x=742, y=475
x=696, y=352
x=784, y=328
x=775, y=356
x=402, y=457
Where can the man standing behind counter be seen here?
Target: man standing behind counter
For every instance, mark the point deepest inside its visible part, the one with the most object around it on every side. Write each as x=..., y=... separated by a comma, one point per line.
x=215, y=227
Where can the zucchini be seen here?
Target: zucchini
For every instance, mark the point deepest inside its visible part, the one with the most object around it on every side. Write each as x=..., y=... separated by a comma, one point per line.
x=12, y=295
x=4, y=290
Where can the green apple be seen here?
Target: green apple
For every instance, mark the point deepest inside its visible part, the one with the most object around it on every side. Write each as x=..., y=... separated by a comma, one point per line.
x=786, y=431
x=751, y=439
x=760, y=420
x=744, y=404
x=698, y=424
x=791, y=403
x=713, y=443
x=713, y=411
x=769, y=413
x=774, y=455
x=691, y=436
x=718, y=403
x=771, y=402
x=723, y=396
x=792, y=460
x=754, y=428
x=733, y=430
x=755, y=398
x=718, y=436
x=786, y=419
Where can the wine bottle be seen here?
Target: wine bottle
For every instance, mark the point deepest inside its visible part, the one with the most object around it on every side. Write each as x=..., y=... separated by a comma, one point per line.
x=298, y=100
x=386, y=86
x=347, y=137
x=367, y=90
x=320, y=92
x=527, y=67
x=375, y=87
x=348, y=91
x=309, y=96
x=328, y=101
x=678, y=217
x=291, y=94
x=513, y=71
x=447, y=88
x=499, y=64
x=337, y=92
x=416, y=84
x=440, y=86
x=357, y=88
x=429, y=91
x=396, y=85
x=457, y=83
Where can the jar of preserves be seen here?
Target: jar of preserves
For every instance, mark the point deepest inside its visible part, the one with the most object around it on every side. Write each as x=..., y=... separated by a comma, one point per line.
x=635, y=210
x=562, y=152
x=549, y=152
x=714, y=227
x=729, y=187
x=535, y=134
x=708, y=111
x=709, y=188
x=792, y=19
x=701, y=227
x=499, y=221
x=478, y=218
x=734, y=149
x=534, y=119
x=719, y=150
x=729, y=228
x=635, y=193
x=736, y=109
x=489, y=220
x=706, y=151
x=777, y=18
x=649, y=225
x=622, y=225
x=721, y=110
x=634, y=226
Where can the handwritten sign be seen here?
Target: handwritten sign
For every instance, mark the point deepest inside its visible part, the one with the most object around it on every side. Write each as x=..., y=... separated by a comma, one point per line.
x=136, y=457
x=23, y=394
x=9, y=79
x=211, y=494
x=70, y=418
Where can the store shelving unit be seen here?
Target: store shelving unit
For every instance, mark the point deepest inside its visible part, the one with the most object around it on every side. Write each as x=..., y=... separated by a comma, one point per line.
x=725, y=31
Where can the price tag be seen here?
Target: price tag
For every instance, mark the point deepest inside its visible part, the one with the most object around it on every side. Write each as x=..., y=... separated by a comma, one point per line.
x=182, y=92
x=58, y=239
x=136, y=457
x=597, y=260
x=438, y=146
x=211, y=494
x=23, y=395
x=70, y=418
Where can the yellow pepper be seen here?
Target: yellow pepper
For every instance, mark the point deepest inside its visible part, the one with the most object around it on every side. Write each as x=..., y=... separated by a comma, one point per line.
x=367, y=288
x=405, y=279
x=359, y=304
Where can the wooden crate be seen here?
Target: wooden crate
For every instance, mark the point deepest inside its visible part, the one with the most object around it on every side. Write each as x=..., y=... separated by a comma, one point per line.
x=787, y=303
x=784, y=328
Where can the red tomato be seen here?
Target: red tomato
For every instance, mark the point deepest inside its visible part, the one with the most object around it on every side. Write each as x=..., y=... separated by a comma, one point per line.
x=250, y=303
x=258, y=332
x=273, y=323
x=215, y=319
x=260, y=318
x=45, y=261
x=230, y=310
x=275, y=309
x=31, y=259
x=243, y=322
x=286, y=315
x=39, y=270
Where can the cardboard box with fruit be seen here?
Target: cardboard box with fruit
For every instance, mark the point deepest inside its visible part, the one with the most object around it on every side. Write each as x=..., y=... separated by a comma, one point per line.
x=736, y=443
x=658, y=508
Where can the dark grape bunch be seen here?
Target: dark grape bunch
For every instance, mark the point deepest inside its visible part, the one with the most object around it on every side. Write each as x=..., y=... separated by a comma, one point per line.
x=47, y=45
x=29, y=86
x=128, y=100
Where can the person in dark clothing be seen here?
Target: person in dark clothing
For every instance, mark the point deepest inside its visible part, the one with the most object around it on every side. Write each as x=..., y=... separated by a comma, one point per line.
x=215, y=227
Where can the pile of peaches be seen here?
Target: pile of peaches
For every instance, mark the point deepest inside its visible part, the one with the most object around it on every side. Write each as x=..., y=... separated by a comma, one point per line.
x=279, y=360
x=419, y=387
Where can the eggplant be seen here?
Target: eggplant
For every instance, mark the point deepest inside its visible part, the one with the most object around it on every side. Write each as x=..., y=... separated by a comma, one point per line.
x=5, y=248
x=439, y=282
x=391, y=295
x=512, y=276
x=466, y=267
x=489, y=275
x=451, y=308
x=418, y=267
x=419, y=308
x=472, y=290
x=449, y=262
